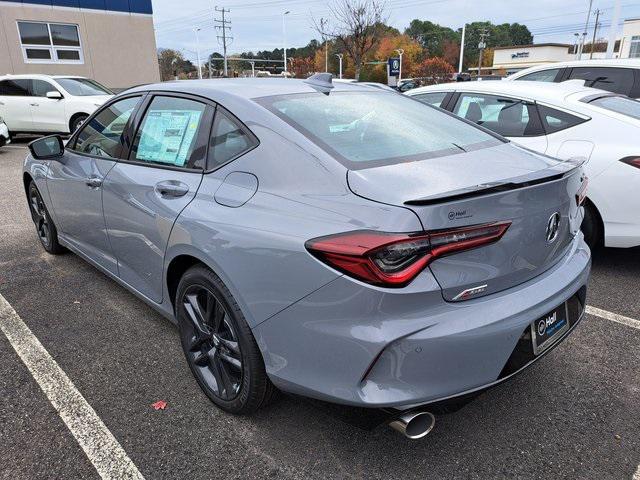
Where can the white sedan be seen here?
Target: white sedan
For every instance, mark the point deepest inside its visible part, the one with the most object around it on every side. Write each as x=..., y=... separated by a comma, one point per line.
x=565, y=120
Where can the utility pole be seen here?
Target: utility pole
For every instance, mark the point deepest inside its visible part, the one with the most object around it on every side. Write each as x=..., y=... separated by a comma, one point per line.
x=595, y=30
x=464, y=30
x=323, y=22
x=339, y=55
x=584, y=34
x=484, y=33
x=284, y=42
x=223, y=27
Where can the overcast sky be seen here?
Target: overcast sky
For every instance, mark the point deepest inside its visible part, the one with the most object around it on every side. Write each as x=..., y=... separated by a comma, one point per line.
x=257, y=24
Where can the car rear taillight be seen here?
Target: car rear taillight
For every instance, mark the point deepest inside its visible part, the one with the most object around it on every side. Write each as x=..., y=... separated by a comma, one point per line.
x=633, y=161
x=395, y=259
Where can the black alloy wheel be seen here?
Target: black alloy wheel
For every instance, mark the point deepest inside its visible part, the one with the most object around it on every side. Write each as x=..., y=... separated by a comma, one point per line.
x=45, y=227
x=218, y=344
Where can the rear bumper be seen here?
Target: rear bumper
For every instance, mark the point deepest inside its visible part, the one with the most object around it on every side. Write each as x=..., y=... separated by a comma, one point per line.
x=4, y=135
x=358, y=345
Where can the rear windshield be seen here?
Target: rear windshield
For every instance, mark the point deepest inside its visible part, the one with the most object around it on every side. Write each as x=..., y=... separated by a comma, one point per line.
x=364, y=129
x=623, y=105
x=83, y=87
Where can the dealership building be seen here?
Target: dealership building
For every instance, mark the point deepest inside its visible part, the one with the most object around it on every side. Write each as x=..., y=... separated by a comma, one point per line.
x=111, y=41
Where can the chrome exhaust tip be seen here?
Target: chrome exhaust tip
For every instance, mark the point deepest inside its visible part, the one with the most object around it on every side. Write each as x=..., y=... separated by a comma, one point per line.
x=414, y=425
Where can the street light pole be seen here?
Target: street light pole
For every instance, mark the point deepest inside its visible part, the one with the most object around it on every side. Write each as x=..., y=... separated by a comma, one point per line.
x=464, y=30
x=197, y=29
x=400, y=53
x=284, y=41
x=339, y=55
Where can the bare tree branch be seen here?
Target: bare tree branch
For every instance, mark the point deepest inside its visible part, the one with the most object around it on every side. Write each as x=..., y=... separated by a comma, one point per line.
x=356, y=27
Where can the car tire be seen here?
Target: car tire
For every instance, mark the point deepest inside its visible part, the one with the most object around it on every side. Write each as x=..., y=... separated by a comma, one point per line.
x=592, y=227
x=45, y=228
x=218, y=344
x=76, y=122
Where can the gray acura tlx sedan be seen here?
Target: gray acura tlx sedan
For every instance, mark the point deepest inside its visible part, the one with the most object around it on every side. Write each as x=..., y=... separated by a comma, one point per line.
x=339, y=242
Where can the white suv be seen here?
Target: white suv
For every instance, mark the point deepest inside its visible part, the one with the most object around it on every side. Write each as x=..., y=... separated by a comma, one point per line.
x=48, y=104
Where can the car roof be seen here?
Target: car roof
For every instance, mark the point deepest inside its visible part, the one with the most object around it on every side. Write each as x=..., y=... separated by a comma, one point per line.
x=539, y=91
x=248, y=88
x=604, y=62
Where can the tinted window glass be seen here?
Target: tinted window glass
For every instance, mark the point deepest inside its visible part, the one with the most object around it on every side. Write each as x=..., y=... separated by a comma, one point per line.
x=64, y=35
x=228, y=140
x=543, y=76
x=623, y=105
x=617, y=80
x=38, y=53
x=16, y=88
x=505, y=116
x=34, y=33
x=102, y=135
x=168, y=134
x=82, y=87
x=555, y=120
x=365, y=128
x=40, y=88
x=434, y=98
x=68, y=54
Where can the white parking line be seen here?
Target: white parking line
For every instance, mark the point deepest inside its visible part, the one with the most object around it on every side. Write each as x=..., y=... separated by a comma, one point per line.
x=15, y=147
x=614, y=317
x=101, y=447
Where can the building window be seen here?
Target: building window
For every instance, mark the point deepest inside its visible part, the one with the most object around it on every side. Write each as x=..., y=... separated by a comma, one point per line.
x=635, y=47
x=50, y=42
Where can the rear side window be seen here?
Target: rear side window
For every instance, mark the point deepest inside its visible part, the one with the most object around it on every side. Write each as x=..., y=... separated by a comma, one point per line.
x=434, y=98
x=102, y=135
x=555, y=120
x=542, y=76
x=617, y=80
x=169, y=132
x=366, y=129
x=508, y=117
x=15, y=88
x=229, y=139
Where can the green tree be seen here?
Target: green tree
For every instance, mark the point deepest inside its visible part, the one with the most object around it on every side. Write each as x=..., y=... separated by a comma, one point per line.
x=432, y=36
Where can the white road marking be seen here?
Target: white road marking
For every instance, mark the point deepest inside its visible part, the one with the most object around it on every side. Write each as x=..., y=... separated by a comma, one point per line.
x=101, y=447
x=614, y=317
x=15, y=147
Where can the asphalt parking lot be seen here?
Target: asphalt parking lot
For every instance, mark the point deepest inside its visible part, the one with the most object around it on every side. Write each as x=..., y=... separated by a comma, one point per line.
x=575, y=414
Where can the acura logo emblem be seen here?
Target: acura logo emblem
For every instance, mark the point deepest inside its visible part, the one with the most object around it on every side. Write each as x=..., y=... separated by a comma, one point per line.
x=553, y=226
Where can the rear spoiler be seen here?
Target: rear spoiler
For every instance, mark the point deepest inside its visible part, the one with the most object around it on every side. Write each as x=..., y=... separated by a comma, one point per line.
x=529, y=180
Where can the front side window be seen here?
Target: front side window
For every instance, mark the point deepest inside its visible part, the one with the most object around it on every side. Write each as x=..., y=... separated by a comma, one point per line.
x=434, y=98
x=541, y=76
x=83, y=87
x=15, y=88
x=40, y=88
x=506, y=116
x=556, y=120
x=616, y=80
x=102, y=135
x=365, y=129
x=623, y=105
x=50, y=42
x=228, y=140
x=169, y=132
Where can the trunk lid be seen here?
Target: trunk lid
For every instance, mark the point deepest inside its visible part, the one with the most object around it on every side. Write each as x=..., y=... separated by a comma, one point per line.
x=504, y=183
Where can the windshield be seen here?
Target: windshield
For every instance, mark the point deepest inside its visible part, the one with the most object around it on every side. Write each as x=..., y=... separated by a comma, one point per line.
x=623, y=105
x=83, y=87
x=363, y=129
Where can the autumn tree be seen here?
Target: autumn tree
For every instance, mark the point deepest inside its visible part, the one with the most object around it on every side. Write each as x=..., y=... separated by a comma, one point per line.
x=355, y=26
x=436, y=70
x=302, y=67
x=411, y=57
x=172, y=64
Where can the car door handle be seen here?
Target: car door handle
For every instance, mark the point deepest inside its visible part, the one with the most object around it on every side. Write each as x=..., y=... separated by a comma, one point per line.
x=94, y=182
x=172, y=188
x=34, y=104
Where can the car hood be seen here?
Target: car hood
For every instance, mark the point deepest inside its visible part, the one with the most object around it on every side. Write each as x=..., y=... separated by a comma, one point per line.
x=433, y=177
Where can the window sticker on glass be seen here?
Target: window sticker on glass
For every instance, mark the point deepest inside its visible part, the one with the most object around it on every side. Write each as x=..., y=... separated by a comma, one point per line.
x=167, y=136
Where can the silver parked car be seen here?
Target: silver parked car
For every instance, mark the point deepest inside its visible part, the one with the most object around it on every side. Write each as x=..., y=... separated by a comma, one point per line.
x=339, y=241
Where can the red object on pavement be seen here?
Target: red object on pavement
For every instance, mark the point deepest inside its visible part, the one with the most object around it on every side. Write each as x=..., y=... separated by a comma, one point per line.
x=159, y=405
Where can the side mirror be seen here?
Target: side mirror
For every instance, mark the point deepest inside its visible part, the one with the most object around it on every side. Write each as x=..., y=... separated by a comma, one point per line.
x=54, y=95
x=47, y=147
